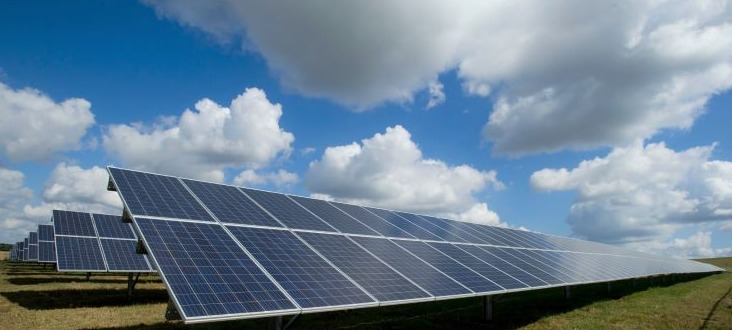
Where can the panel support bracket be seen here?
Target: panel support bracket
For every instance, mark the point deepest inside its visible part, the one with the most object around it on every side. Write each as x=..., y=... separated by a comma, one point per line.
x=171, y=313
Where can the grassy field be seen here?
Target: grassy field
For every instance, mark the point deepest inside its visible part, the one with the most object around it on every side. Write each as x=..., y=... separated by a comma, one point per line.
x=33, y=297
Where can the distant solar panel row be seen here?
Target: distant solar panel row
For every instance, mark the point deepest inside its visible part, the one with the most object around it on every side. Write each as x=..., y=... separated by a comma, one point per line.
x=226, y=252
x=46, y=244
x=87, y=242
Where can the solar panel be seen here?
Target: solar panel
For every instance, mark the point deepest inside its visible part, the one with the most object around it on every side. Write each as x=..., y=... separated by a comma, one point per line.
x=79, y=254
x=287, y=211
x=207, y=273
x=46, y=251
x=157, y=195
x=506, y=267
x=45, y=233
x=95, y=243
x=485, y=269
x=26, y=254
x=73, y=223
x=230, y=205
x=433, y=228
x=335, y=217
x=525, y=265
x=380, y=225
x=371, y=274
x=427, y=277
x=403, y=224
x=121, y=256
x=226, y=252
x=32, y=246
x=111, y=226
x=310, y=280
x=462, y=274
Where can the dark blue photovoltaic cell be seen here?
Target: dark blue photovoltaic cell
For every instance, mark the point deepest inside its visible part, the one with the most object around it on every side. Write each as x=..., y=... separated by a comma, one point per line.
x=371, y=274
x=499, y=263
x=206, y=272
x=230, y=205
x=26, y=255
x=73, y=223
x=424, y=275
x=309, y=279
x=402, y=223
x=494, y=274
x=334, y=217
x=460, y=273
x=550, y=263
x=33, y=237
x=111, y=226
x=431, y=227
x=45, y=233
x=33, y=252
x=46, y=251
x=79, y=254
x=156, y=195
x=529, y=267
x=378, y=224
x=456, y=228
x=22, y=249
x=287, y=211
x=121, y=256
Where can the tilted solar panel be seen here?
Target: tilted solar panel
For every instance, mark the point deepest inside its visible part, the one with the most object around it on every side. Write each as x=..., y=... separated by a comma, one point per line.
x=214, y=277
x=79, y=254
x=45, y=233
x=111, y=226
x=375, y=277
x=228, y=253
x=89, y=242
x=309, y=279
x=46, y=251
x=230, y=205
x=287, y=211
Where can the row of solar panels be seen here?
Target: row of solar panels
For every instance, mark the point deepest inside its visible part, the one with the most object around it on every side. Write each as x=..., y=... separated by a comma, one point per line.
x=39, y=246
x=83, y=242
x=226, y=252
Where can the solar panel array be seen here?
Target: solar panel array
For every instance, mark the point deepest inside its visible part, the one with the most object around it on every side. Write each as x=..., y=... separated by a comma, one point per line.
x=87, y=242
x=46, y=244
x=226, y=252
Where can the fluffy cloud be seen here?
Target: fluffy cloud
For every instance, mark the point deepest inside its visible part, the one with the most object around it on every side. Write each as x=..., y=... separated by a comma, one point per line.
x=388, y=170
x=34, y=127
x=437, y=94
x=643, y=194
x=252, y=178
x=202, y=143
x=13, y=196
x=698, y=245
x=565, y=74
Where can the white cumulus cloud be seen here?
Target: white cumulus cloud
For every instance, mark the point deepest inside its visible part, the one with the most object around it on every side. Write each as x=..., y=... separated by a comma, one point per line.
x=564, y=74
x=253, y=178
x=34, y=127
x=388, y=170
x=643, y=194
x=437, y=94
x=204, y=141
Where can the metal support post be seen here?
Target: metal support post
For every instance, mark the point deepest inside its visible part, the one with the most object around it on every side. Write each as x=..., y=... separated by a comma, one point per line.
x=567, y=293
x=88, y=276
x=488, y=308
x=131, y=282
x=609, y=287
x=276, y=323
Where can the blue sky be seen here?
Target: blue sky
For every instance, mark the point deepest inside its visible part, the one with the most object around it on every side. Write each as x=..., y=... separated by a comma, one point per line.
x=603, y=122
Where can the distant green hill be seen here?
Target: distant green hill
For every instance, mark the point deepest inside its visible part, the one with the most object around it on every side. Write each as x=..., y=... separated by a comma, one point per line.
x=5, y=246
